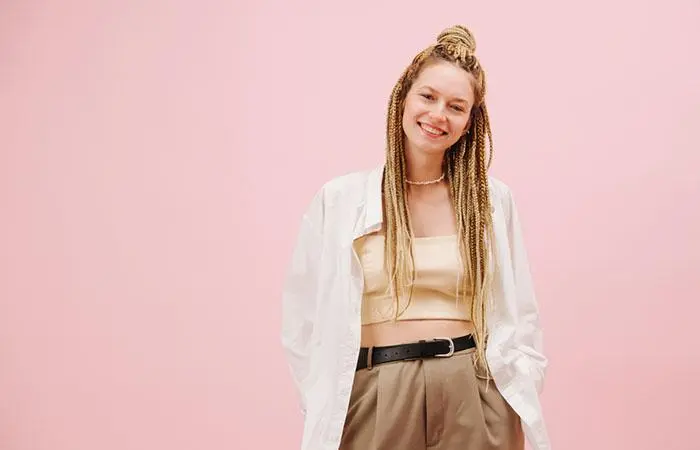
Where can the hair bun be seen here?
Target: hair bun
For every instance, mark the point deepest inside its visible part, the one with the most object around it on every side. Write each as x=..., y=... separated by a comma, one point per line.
x=458, y=35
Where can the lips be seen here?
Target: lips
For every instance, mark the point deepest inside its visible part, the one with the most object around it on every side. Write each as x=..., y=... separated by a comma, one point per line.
x=432, y=130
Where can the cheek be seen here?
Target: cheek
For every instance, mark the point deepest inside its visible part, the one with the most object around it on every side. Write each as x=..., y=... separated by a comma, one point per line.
x=406, y=115
x=412, y=110
x=460, y=126
x=409, y=116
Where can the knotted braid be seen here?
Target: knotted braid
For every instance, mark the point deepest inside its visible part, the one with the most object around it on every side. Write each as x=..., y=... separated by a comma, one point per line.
x=466, y=166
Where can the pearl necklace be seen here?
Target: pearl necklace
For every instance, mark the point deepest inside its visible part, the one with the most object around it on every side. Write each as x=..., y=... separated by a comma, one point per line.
x=422, y=183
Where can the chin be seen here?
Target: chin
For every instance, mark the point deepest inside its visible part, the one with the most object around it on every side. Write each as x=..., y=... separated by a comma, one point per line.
x=429, y=147
x=428, y=150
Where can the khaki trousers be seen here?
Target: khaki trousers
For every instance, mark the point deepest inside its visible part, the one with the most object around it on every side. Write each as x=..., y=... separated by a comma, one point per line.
x=437, y=404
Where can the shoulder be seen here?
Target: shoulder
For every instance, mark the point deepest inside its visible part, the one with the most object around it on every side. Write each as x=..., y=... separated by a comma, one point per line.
x=499, y=189
x=348, y=186
x=343, y=191
x=348, y=182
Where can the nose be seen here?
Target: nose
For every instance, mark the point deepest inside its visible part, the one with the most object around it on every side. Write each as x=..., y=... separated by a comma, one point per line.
x=437, y=114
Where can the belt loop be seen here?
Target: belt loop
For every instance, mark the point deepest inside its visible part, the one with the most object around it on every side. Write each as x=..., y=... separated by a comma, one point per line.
x=369, y=357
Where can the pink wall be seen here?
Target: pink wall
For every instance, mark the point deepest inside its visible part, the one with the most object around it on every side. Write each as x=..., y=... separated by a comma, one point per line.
x=155, y=157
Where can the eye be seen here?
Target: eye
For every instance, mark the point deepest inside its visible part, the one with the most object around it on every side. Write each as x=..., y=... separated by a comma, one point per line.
x=458, y=108
x=427, y=96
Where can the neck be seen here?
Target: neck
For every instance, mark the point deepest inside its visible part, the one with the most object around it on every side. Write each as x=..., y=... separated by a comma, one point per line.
x=423, y=167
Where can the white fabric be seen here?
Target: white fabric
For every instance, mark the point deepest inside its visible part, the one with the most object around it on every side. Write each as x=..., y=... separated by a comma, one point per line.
x=322, y=297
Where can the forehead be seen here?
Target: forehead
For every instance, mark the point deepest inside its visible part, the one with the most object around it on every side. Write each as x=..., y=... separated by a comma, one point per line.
x=448, y=79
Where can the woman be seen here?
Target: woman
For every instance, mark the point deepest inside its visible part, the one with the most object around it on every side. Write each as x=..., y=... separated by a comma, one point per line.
x=409, y=319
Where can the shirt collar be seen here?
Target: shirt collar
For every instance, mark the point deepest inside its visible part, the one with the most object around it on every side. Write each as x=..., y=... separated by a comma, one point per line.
x=373, y=216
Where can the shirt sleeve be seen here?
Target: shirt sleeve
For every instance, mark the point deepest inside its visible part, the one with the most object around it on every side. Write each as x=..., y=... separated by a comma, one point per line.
x=299, y=297
x=528, y=332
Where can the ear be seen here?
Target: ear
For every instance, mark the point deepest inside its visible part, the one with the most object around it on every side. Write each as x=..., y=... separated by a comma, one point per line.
x=468, y=126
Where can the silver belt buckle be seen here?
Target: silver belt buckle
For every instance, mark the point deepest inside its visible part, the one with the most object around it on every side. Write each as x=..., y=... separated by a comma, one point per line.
x=452, y=347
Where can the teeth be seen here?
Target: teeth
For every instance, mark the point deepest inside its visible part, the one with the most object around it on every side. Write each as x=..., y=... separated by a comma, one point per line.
x=431, y=130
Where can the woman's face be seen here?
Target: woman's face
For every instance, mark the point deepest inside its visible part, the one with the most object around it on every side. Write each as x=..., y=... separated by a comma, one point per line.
x=437, y=108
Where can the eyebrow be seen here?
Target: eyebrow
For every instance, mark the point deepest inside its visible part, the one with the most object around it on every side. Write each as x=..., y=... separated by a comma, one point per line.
x=457, y=99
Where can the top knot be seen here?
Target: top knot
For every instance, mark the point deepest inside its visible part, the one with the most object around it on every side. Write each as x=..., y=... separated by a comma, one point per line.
x=459, y=38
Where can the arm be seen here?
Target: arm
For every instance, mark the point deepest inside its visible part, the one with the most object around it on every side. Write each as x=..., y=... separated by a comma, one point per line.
x=299, y=298
x=529, y=333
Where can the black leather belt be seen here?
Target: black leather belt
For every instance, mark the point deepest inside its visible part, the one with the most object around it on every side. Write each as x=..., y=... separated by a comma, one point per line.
x=433, y=348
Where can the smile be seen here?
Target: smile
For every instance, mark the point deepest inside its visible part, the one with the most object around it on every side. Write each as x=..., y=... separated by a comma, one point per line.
x=431, y=131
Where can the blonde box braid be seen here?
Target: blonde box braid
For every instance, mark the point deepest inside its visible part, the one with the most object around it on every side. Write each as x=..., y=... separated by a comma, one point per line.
x=466, y=168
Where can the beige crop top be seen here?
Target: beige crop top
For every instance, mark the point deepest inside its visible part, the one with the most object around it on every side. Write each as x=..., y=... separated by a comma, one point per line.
x=437, y=280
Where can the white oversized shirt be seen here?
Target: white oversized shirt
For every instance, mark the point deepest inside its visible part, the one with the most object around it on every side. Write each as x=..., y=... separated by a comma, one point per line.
x=322, y=297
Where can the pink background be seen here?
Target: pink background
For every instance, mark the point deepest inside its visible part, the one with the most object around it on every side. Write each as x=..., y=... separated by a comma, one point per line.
x=155, y=157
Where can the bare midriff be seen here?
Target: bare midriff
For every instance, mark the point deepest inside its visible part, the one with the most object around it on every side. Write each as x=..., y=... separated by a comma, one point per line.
x=406, y=331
